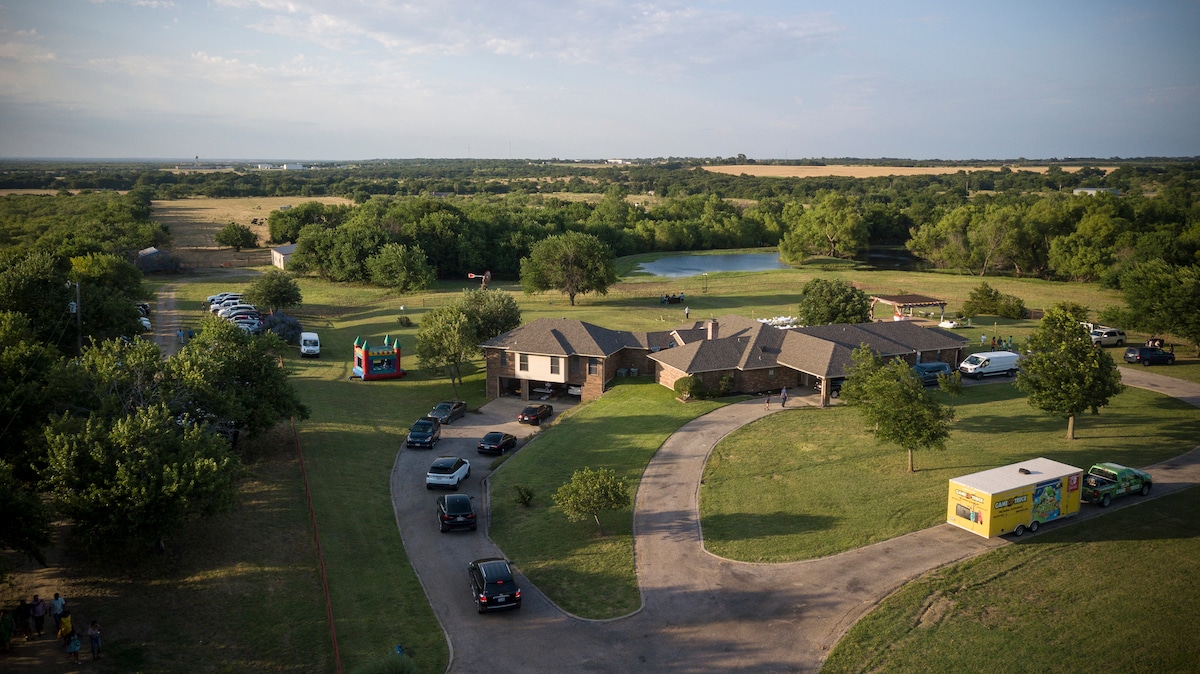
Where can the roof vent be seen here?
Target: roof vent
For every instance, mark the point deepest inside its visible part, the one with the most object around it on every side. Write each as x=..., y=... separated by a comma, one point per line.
x=1024, y=471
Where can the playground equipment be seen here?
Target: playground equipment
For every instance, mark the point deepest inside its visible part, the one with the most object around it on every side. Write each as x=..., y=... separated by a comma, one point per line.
x=377, y=362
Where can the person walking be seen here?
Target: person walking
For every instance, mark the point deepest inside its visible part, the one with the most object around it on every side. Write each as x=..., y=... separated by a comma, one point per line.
x=7, y=627
x=65, y=628
x=687, y=312
x=94, y=636
x=57, y=606
x=24, y=619
x=783, y=397
x=768, y=401
x=73, y=647
x=37, y=610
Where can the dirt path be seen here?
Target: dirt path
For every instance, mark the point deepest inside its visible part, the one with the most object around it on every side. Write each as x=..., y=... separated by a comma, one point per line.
x=701, y=613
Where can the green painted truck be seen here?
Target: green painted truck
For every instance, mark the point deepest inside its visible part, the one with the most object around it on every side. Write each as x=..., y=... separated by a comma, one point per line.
x=1106, y=481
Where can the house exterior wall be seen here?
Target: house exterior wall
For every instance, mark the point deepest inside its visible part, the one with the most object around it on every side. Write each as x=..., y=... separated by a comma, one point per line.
x=495, y=371
x=749, y=381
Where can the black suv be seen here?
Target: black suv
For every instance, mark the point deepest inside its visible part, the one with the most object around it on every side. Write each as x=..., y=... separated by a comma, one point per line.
x=493, y=585
x=1149, y=355
x=424, y=433
x=928, y=372
x=455, y=511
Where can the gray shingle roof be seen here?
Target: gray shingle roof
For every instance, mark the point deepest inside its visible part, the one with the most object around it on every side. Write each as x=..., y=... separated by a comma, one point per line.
x=567, y=337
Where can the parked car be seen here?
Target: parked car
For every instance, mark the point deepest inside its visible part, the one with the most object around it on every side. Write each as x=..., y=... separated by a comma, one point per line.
x=227, y=302
x=143, y=308
x=449, y=410
x=250, y=325
x=310, y=345
x=497, y=443
x=145, y=322
x=533, y=414
x=455, y=511
x=424, y=433
x=1108, y=337
x=232, y=309
x=243, y=314
x=928, y=372
x=835, y=387
x=1105, y=481
x=221, y=297
x=1149, y=355
x=988, y=363
x=493, y=585
x=447, y=471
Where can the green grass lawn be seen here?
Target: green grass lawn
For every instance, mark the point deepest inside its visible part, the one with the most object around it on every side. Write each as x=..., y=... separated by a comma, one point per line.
x=1115, y=593
x=811, y=482
x=569, y=560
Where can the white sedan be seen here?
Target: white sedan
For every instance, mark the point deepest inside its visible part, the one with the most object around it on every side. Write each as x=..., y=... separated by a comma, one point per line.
x=447, y=471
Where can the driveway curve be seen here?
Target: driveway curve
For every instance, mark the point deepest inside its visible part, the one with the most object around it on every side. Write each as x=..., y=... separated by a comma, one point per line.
x=700, y=613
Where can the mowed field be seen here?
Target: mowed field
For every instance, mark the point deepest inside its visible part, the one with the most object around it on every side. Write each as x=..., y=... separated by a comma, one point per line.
x=772, y=171
x=195, y=221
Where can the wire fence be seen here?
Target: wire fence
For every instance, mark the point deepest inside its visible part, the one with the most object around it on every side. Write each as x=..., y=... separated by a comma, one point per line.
x=312, y=518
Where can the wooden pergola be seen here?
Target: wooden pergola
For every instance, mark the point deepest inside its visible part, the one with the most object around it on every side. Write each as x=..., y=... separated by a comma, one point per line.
x=904, y=304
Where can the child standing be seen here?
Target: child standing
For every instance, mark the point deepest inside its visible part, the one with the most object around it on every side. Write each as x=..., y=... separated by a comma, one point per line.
x=94, y=637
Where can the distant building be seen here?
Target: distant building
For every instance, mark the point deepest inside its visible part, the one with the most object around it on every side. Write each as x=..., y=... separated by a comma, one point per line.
x=281, y=254
x=154, y=260
x=266, y=167
x=292, y=167
x=1093, y=191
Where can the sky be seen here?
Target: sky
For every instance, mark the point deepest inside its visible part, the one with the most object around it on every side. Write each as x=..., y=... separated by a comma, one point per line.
x=538, y=79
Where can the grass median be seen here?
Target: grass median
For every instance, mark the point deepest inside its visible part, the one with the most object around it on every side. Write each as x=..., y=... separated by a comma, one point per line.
x=1118, y=589
x=811, y=482
x=587, y=574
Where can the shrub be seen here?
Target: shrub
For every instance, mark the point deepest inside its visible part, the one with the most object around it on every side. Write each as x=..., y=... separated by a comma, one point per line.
x=522, y=495
x=287, y=327
x=985, y=299
x=237, y=237
x=404, y=321
x=689, y=387
x=725, y=385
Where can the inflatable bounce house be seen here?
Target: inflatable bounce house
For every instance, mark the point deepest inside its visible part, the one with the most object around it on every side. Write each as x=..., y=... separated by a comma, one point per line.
x=377, y=362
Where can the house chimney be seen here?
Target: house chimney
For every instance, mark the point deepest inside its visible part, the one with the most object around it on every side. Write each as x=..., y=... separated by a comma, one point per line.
x=712, y=329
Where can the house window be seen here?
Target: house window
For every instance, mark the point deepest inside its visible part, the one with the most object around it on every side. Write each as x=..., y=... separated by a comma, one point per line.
x=593, y=366
x=503, y=359
x=554, y=369
x=770, y=372
x=523, y=364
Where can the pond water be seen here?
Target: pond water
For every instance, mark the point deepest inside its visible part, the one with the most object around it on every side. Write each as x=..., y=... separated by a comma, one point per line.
x=690, y=265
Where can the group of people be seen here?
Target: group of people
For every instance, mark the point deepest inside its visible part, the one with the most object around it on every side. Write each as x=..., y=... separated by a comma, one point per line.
x=1001, y=342
x=29, y=620
x=671, y=299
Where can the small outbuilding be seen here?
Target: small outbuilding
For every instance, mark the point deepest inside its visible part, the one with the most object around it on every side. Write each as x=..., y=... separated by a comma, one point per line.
x=281, y=254
x=904, y=304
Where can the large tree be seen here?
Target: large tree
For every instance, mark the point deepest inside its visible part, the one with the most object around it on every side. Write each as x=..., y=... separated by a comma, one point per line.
x=895, y=406
x=133, y=479
x=446, y=339
x=403, y=268
x=1163, y=299
x=832, y=226
x=275, y=290
x=573, y=263
x=833, y=301
x=1063, y=373
x=589, y=492
x=491, y=312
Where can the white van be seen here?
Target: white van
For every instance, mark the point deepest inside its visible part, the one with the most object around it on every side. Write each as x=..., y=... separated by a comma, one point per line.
x=980, y=365
x=310, y=344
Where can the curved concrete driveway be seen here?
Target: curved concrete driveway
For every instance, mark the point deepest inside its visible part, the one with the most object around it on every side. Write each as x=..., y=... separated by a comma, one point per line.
x=701, y=613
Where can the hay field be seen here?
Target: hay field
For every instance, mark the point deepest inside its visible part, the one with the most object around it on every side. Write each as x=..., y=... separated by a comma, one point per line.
x=771, y=171
x=195, y=221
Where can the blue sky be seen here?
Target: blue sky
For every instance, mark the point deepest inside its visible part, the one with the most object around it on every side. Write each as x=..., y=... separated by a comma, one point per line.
x=355, y=79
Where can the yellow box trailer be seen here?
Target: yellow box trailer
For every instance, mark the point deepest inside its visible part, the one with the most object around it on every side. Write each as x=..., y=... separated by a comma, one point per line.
x=1014, y=498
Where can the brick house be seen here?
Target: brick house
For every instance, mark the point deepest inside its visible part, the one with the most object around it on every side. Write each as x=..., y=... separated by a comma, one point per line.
x=559, y=354
x=554, y=355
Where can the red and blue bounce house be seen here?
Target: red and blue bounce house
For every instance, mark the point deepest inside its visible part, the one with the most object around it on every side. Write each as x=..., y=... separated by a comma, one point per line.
x=377, y=362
